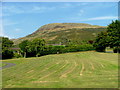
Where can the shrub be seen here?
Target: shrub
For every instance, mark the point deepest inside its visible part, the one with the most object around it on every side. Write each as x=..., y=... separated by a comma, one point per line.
x=76, y=48
x=55, y=49
x=116, y=49
x=17, y=55
x=65, y=49
x=61, y=49
x=100, y=48
x=7, y=54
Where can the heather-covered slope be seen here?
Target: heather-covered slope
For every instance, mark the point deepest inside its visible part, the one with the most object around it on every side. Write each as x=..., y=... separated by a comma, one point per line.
x=59, y=32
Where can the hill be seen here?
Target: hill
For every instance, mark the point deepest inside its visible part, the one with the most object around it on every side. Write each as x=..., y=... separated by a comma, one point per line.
x=71, y=70
x=60, y=32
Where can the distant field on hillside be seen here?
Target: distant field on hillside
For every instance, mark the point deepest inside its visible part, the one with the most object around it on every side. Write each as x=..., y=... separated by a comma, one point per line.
x=71, y=70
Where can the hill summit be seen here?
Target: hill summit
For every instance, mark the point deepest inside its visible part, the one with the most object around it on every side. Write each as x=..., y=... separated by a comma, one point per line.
x=55, y=33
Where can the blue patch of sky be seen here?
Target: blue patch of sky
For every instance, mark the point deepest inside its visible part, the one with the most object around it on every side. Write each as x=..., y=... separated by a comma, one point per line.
x=23, y=18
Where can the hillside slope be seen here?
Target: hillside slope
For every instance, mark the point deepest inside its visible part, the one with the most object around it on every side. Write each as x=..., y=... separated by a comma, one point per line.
x=59, y=32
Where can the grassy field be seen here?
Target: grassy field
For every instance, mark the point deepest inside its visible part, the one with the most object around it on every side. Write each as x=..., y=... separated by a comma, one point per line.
x=2, y=64
x=71, y=70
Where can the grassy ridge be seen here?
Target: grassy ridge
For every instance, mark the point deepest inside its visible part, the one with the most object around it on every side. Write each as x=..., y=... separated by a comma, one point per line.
x=59, y=32
x=71, y=70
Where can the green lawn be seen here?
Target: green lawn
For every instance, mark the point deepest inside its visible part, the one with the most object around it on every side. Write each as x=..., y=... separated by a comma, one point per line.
x=71, y=70
x=2, y=64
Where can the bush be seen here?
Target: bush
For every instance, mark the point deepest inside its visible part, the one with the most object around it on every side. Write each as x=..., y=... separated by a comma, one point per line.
x=6, y=44
x=119, y=50
x=62, y=49
x=116, y=49
x=84, y=47
x=7, y=54
x=100, y=49
x=17, y=55
x=73, y=48
x=66, y=49
x=53, y=49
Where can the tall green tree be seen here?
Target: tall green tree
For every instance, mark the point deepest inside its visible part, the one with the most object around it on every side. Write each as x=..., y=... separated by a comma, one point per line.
x=32, y=48
x=38, y=46
x=24, y=46
x=6, y=44
x=113, y=31
x=101, y=42
x=110, y=38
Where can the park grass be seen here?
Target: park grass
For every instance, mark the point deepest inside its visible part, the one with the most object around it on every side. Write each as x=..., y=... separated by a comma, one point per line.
x=71, y=70
x=2, y=64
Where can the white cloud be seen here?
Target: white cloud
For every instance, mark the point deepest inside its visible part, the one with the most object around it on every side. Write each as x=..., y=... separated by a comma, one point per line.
x=17, y=30
x=7, y=22
x=61, y=0
x=82, y=4
x=1, y=28
x=4, y=35
x=70, y=5
x=102, y=18
x=39, y=9
x=94, y=18
x=66, y=5
x=10, y=10
x=2, y=32
x=81, y=12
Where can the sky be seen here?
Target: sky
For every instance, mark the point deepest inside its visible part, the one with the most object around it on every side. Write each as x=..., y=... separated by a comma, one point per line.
x=22, y=18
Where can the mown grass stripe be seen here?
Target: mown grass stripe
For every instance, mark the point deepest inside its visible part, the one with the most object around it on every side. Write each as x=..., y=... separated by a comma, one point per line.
x=45, y=71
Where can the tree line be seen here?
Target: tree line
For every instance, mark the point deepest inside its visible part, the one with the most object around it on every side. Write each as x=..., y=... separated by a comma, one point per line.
x=38, y=47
